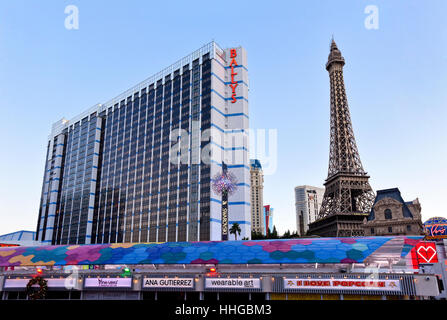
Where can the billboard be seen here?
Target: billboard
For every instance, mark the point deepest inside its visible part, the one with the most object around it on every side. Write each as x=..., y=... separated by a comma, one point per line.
x=436, y=231
x=67, y=283
x=108, y=283
x=342, y=284
x=233, y=283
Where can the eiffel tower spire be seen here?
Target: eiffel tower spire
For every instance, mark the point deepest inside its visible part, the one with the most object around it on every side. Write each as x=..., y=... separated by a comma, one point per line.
x=348, y=196
x=343, y=156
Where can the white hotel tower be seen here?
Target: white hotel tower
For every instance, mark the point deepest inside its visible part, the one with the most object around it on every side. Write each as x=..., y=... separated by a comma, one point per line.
x=140, y=167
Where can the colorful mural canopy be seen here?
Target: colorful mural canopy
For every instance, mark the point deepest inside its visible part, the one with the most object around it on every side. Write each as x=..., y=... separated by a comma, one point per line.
x=304, y=250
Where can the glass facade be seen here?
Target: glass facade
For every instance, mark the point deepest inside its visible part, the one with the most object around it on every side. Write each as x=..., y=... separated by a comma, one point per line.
x=126, y=175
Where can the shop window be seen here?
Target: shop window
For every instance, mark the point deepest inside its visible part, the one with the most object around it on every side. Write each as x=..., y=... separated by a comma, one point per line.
x=231, y=296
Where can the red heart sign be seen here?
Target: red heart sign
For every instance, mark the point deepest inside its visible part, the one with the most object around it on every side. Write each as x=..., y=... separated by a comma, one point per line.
x=426, y=252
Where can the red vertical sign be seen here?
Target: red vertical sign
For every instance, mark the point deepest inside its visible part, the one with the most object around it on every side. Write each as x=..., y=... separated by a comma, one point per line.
x=233, y=84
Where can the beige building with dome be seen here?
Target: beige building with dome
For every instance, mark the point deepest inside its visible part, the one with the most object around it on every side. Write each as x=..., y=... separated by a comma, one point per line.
x=391, y=215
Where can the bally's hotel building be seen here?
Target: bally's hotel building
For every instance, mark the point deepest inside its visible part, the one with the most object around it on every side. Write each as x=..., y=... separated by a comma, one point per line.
x=140, y=167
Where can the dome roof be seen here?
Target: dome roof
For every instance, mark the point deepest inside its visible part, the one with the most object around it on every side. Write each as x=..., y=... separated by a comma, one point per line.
x=435, y=220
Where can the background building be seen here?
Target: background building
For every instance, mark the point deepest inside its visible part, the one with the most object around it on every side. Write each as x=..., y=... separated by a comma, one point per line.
x=257, y=197
x=139, y=167
x=22, y=237
x=308, y=201
x=391, y=215
x=268, y=219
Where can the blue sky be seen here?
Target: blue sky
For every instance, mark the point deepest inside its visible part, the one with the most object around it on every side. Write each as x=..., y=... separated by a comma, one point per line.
x=395, y=78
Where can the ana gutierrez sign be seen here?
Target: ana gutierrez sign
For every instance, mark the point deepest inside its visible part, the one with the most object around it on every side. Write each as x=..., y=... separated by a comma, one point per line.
x=233, y=83
x=168, y=283
x=342, y=284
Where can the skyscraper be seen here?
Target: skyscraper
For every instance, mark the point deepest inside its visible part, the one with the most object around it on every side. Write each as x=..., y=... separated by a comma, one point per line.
x=308, y=201
x=257, y=196
x=348, y=197
x=140, y=167
x=268, y=219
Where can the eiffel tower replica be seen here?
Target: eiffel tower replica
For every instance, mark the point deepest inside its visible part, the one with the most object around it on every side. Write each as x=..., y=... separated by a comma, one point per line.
x=348, y=197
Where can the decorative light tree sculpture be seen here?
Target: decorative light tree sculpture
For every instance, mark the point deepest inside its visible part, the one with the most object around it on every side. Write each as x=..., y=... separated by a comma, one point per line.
x=224, y=183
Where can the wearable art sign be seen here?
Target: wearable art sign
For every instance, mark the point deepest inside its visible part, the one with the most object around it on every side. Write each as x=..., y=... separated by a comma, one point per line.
x=108, y=282
x=232, y=283
x=168, y=283
x=343, y=284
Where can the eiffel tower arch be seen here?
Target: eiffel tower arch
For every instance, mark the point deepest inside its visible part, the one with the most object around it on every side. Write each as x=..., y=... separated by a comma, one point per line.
x=348, y=197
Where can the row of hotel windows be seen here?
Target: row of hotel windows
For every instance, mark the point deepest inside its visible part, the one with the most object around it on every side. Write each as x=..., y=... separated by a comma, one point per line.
x=79, y=156
x=390, y=229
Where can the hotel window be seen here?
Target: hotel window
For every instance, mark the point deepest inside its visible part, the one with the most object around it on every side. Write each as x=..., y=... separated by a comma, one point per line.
x=390, y=229
x=388, y=214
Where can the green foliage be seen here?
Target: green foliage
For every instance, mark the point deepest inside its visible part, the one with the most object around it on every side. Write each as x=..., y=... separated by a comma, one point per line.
x=235, y=229
x=274, y=235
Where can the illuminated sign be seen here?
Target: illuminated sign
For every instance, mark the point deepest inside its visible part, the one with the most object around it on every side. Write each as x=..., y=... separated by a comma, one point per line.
x=224, y=212
x=342, y=284
x=224, y=216
x=233, y=83
x=51, y=283
x=8, y=245
x=426, y=252
x=168, y=283
x=436, y=231
x=108, y=282
x=232, y=283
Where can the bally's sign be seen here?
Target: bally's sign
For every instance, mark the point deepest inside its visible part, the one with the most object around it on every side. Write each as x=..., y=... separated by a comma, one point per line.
x=233, y=83
x=108, y=283
x=343, y=284
x=168, y=283
x=232, y=283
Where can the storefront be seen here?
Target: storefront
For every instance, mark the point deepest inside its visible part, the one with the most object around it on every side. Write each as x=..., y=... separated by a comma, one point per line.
x=367, y=268
x=244, y=287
